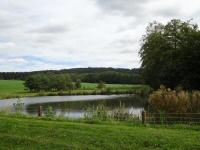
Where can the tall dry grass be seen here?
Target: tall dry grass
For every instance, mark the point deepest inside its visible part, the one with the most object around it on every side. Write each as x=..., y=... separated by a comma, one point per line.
x=171, y=101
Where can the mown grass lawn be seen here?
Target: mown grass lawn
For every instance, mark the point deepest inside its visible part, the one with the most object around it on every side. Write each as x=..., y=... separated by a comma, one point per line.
x=14, y=88
x=25, y=133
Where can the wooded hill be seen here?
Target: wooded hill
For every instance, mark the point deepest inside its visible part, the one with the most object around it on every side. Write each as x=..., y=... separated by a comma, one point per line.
x=91, y=75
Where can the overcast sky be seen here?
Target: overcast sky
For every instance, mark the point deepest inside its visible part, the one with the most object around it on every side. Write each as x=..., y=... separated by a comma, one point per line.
x=57, y=34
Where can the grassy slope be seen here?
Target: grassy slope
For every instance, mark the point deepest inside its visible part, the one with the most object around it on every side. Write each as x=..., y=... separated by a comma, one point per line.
x=13, y=88
x=21, y=133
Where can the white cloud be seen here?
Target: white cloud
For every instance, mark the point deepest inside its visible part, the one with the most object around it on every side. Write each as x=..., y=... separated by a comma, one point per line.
x=13, y=61
x=51, y=34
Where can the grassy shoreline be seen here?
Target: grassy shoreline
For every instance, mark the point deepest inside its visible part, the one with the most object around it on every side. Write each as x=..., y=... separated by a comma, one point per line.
x=15, y=88
x=34, y=133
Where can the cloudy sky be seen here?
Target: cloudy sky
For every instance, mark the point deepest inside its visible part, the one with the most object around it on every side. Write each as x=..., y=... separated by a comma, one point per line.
x=57, y=34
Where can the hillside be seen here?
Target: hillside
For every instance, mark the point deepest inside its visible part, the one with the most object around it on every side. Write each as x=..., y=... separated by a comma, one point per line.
x=91, y=75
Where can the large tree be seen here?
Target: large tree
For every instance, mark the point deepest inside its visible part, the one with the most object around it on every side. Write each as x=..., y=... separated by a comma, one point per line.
x=170, y=54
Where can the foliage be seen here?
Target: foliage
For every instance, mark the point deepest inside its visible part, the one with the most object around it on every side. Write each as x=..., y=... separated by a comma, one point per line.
x=171, y=101
x=91, y=75
x=113, y=77
x=51, y=82
x=78, y=84
x=170, y=54
x=101, y=85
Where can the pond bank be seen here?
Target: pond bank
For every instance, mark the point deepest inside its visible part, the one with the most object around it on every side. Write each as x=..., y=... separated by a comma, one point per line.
x=142, y=92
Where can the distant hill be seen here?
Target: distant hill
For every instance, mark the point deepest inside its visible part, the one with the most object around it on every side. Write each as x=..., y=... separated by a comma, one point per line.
x=92, y=75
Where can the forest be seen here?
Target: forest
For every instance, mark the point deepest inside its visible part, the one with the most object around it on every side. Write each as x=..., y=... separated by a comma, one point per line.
x=89, y=75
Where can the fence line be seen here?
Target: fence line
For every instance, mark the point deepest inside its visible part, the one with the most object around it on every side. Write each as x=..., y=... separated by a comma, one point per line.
x=170, y=118
x=121, y=115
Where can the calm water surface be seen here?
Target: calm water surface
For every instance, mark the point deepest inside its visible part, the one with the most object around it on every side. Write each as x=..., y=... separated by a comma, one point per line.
x=75, y=106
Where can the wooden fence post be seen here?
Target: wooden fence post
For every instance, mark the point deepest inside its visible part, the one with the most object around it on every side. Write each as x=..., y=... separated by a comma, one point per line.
x=40, y=111
x=143, y=117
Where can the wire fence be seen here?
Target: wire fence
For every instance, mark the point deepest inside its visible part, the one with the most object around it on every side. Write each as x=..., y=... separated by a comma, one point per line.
x=171, y=118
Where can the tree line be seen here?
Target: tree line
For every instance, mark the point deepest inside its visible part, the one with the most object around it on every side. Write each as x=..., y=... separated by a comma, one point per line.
x=112, y=77
x=50, y=82
x=90, y=75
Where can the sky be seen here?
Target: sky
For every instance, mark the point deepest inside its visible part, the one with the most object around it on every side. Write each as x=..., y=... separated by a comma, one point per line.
x=58, y=34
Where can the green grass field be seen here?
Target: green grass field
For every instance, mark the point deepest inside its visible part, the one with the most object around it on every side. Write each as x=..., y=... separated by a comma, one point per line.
x=28, y=133
x=11, y=88
x=15, y=88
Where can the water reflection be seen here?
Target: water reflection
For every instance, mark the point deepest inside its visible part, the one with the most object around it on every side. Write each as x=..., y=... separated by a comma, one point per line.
x=75, y=106
x=76, y=109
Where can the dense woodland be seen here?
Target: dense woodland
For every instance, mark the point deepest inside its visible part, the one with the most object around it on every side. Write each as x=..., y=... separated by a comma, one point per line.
x=91, y=75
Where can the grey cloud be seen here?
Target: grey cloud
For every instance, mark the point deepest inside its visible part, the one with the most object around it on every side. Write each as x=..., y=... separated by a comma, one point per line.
x=168, y=12
x=122, y=43
x=127, y=7
x=44, y=40
x=7, y=21
x=127, y=51
x=141, y=10
x=51, y=29
x=127, y=41
x=12, y=61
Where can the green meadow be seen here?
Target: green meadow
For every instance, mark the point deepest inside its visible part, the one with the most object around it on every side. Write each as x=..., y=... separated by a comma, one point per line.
x=15, y=88
x=31, y=133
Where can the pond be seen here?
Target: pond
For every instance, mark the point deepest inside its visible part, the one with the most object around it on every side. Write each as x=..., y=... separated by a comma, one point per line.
x=75, y=106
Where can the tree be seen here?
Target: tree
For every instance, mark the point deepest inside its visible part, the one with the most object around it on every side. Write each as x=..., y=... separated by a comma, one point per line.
x=69, y=83
x=60, y=82
x=170, y=54
x=101, y=85
x=78, y=84
x=37, y=83
x=49, y=82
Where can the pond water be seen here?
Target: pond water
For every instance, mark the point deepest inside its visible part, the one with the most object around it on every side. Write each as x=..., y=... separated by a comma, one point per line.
x=75, y=106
